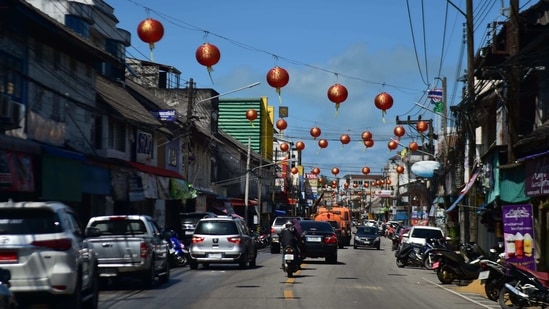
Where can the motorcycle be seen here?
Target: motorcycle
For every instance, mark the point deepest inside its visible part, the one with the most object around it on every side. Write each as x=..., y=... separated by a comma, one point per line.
x=179, y=254
x=7, y=299
x=493, y=274
x=291, y=261
x=409, y=255
x=525, y=288
x=429, y=248
x=451, y=266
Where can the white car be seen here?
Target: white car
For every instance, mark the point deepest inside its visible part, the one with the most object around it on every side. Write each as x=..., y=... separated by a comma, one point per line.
x=419, y=234
x=41, y=244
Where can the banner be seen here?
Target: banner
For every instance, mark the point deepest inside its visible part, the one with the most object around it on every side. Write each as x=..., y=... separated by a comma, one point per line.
x=518, y=234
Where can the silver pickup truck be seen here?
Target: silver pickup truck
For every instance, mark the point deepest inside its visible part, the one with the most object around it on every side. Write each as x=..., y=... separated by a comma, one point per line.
x=129, y=245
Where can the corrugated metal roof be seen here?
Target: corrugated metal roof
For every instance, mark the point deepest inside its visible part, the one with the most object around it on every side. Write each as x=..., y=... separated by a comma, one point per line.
x=232, y=120
x=122, y=102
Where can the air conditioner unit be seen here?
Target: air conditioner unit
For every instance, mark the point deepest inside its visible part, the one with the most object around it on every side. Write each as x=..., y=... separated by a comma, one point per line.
x=10, y=112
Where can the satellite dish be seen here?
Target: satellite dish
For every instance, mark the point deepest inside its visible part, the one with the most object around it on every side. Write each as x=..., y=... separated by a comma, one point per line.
x=425, y=168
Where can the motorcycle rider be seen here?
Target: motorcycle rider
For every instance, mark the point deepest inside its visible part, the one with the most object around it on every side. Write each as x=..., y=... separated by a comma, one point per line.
x=291, y=236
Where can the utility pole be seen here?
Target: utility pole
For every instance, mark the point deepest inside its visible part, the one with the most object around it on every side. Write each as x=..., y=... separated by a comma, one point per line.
x=247, y=185
x=188, y=136
x=470, y=98
x=513, y=80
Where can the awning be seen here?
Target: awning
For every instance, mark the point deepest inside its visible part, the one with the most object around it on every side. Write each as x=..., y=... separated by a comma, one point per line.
x=156, y=170
x=63, y=153
x=464, y=190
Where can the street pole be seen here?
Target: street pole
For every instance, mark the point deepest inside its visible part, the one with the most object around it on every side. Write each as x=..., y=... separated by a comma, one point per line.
x=247, y=185
x=188, y=136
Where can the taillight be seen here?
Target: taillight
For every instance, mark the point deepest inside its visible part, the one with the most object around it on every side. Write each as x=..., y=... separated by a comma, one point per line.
x=234, y=240
x=55, y=244
x=197, y=239
x=143, y=250
x=117, y=218
x=332, y=239
x=8, y=256
x=483, y=265
x=289, y=250
x=272, y=230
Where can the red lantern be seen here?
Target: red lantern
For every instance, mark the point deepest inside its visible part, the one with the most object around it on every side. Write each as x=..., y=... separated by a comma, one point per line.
x=392, y=145
x=295, y=170
x=281, y=124
x=208, y=55
x=366, y=185
x=315, y=132
x=369, y=143
x=422, y=126
x=355, y=185
x=284, y=147
x=316, y=171
x=366, y=135
x=345, y=139
x=383, y=101
x=413, y=146
x=150, y=31
x=335, y=171
x=323, y=143
x=399, y=131
x=334, y=186
x=388, y=181
x=300, y=145
x=251, y=115
x=277, y=78
x=334, y=182
x=365, y=170
x=337, y=93
x=346, y=185
x=400, y=169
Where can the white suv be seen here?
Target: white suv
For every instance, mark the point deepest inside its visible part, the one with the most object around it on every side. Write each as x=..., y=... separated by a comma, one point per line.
x=41, y=244
x=418, y=234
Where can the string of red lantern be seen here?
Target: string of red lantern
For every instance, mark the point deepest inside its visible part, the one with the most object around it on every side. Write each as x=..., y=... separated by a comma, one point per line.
x=208, y=55
x=344, y=139
x=315, y=132
x=383, y=101
x=281, y=124
x=337, y=93
x=277, y=78
x=251, y=115
x=150, y=31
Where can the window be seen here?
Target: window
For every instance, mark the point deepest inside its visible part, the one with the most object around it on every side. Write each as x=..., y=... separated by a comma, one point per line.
x=78, y=24
x=11, y=81
x=117, y=136
x=97, y=132
x=29, y=221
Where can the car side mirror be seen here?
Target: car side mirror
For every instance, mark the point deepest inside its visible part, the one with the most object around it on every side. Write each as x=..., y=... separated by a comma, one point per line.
x=92, y=232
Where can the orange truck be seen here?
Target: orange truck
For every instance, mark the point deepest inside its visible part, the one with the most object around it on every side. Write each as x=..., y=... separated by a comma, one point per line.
x=336, y=221
x=345, y=215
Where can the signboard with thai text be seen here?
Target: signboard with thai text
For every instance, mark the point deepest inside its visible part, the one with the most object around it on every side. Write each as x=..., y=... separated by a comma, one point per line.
x=536, y=181
x=518, y=234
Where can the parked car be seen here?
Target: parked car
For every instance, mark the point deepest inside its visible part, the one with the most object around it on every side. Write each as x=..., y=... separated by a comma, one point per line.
x=129, y=245
x=419, y=234
x=222, y=240
x=319, y=241
x=188, y=221
x=367, y=236
x=276, y=228
x=43, y=248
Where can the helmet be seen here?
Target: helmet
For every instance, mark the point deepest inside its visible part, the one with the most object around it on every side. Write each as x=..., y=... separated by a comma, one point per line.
x=288, y=224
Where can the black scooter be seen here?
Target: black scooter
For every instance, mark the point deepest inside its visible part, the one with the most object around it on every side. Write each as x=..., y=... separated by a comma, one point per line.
x=525, y=288
x=451, y=266
x=409, y=255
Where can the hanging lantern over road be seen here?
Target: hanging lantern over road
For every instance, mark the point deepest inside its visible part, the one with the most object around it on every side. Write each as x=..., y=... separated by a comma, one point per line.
x=150, y=31
x=251, y=115
x=413, y=146
x=337, y=93
x=365, y=170
x=422, y=126
x=392, y=145
x=335, y=171
x=284, y=147
x=281, y=124
x=322, y=143
x=277, y=78
x=383, y=101
x=345, y=139
x=366, y=135
x=208, y=55
x=295, y=170
x=399, y=131
x=300, y=145
x=400, y=169
x=316, y=171
x=315, y=132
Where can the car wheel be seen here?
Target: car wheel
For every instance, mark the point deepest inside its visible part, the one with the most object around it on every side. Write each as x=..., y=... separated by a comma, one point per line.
x=193, y=264
x=400, y=264
x=75, y=299
x=92, y=301
x=165, y=277
x=253, y=261
x=149, y=276
x=243, y=263
x=355, y=246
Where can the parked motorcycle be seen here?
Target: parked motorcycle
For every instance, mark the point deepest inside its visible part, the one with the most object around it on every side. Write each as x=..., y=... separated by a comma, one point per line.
x=290, y=262
x=493, y=275
x=409, y=255
x=526, y=288
x=451, y=266
x=429, y=249
x=179, y=254
x=7, y=299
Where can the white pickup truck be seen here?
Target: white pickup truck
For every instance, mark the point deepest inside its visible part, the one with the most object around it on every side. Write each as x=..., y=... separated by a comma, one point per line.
x=129, y=245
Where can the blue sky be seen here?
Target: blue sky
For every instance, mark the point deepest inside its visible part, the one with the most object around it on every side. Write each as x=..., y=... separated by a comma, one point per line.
x=396, y=46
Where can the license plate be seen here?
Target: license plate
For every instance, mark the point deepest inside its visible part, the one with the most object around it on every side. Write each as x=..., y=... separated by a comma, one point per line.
x=189, y=232
x=214, y=255
x=288, y=257
x=107, y=271
x=366, y=242
x=436, y=264
x=484, y=275
x=314, y=239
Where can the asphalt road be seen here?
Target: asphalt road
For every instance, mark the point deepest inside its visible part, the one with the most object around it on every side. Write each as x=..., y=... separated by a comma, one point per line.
x=361, y=278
